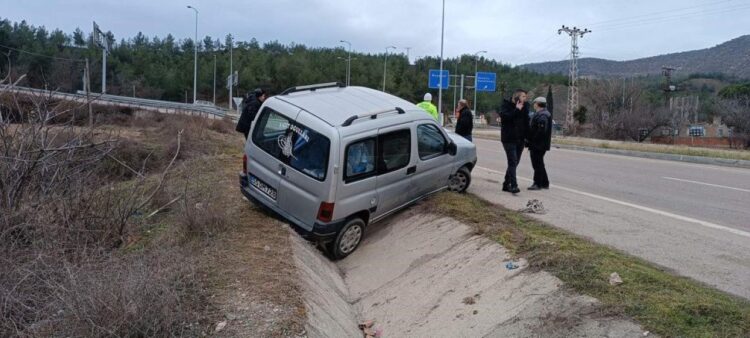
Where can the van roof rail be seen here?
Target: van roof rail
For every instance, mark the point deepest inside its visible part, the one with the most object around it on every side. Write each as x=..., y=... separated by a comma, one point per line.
x=372, y=116
x=313, y=87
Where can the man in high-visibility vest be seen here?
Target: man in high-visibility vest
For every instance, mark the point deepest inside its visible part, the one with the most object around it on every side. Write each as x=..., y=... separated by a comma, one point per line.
x=428, y=106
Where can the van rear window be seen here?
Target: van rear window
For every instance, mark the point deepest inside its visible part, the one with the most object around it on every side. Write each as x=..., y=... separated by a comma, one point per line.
x=294, y=144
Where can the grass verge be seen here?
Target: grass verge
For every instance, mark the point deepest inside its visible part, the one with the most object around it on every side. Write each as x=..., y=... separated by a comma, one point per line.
x=656, y=148
x=633, y=146
x=661, y=302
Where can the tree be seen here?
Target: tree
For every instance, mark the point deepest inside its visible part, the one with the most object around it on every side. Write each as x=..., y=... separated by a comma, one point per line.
x=621, y=110
x=580, y=114
x=78, y=38
x=550, y=100
x=734, y=107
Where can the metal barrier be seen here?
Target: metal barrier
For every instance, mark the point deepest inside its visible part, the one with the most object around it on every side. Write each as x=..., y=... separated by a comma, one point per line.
x=166, y=107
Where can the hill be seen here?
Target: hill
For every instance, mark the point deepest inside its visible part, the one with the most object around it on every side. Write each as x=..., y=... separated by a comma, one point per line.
x=731, y=58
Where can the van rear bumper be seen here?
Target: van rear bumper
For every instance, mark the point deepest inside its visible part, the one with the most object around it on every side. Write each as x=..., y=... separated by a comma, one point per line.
x=320, y=232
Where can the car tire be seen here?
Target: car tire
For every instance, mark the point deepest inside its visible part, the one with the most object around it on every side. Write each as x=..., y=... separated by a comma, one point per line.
x=460, y=181
x=347, y=240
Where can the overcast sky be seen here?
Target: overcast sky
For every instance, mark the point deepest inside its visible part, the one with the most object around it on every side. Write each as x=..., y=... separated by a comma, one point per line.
x=513, y=32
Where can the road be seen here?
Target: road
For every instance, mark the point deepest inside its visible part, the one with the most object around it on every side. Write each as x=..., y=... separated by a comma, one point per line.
x=689, y=218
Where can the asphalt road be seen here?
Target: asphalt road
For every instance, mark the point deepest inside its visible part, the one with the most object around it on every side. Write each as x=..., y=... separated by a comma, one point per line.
x=693, y=219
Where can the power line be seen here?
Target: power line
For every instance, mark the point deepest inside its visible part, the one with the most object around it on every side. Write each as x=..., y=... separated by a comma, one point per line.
x=661, y=19
x=42, y=55
x=672, y=10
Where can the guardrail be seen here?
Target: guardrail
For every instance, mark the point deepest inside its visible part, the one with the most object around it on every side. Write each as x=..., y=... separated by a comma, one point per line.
x=165, y=107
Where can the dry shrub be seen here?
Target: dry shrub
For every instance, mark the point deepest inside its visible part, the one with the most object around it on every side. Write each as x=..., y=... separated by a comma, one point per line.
x=223, y=126
x=63, y=226
x=144, y=294
x=129, y=158
x=106, y=115
x=201, y=217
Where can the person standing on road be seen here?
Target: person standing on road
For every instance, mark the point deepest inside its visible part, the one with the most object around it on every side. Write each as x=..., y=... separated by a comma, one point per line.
x=429, y=107
x=514, y=115
x=464, y=119
x=250, y=109
x=539, y=139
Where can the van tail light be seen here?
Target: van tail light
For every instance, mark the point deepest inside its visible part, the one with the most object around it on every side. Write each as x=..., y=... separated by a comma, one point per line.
x=244, y=163
x=325, y=212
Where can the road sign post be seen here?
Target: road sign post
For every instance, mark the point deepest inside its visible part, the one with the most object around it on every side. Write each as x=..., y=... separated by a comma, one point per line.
x=101, y=40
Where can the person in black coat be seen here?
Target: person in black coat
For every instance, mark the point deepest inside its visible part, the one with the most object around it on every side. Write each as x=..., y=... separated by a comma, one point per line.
x=464, y=120
x=514, y=120
x=251, y=105
x=538, y=141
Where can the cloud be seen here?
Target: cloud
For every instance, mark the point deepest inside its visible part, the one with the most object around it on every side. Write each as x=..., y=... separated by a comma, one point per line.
x=511, y=32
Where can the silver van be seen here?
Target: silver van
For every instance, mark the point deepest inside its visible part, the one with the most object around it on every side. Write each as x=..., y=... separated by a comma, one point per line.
x=332, y=159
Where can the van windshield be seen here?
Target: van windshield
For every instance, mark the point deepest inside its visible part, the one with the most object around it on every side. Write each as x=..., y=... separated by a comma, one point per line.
x=292, y=143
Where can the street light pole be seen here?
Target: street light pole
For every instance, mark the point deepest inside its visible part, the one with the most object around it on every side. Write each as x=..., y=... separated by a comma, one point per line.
x=348, y=62
x=214, y=79
x=195, y=63
x=440, y=87
x=385, y=64
x=476, y=61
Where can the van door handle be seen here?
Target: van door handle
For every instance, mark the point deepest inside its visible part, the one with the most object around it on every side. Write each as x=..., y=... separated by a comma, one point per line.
x=411, y=170
x=282, y=170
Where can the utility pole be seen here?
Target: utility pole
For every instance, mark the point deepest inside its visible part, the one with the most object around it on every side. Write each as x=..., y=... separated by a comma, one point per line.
x=574, y=34
x=231, y=70
x=461, y=94
x=440, y=87
x=87, y=85
x=476, y=69
x=214, y=79
x=101, y=40
x=455, y=87
x=195, y=56
x=385, y=64
x=348, y=62
x=668, y=88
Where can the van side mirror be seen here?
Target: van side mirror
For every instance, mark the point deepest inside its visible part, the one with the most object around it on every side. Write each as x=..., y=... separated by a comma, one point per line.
x=452, y=148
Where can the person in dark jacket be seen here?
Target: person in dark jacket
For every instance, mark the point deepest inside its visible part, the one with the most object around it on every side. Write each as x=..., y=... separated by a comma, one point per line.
x=251, y=105
x=539, y=139
x=514, y=119
x=464, y=119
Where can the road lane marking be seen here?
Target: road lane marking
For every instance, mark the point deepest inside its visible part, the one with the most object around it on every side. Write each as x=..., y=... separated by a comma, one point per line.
x=704, y=183
x=639, y=207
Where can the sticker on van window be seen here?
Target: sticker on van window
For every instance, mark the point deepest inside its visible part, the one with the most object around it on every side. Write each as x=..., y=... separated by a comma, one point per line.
x=285, y=143
x=300, y=132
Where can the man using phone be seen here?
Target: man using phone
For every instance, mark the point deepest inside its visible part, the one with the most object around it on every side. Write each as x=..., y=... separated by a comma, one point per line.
x=514, y=115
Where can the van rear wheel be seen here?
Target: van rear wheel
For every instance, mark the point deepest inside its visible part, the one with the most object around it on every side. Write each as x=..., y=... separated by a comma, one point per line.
x=348, y=239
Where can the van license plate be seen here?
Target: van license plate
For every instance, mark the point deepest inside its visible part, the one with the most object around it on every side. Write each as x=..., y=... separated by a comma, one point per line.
x=263, y=187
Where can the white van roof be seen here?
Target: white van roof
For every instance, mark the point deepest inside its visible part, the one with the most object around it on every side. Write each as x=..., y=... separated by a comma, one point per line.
x=337, y=104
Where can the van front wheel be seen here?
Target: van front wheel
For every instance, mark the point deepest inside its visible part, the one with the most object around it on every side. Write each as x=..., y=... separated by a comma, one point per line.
x=348, y=239
x=460, y=181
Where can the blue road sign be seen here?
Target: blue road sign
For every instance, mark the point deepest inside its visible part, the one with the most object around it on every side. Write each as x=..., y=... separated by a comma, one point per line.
x=486, y=82
x=437, y=80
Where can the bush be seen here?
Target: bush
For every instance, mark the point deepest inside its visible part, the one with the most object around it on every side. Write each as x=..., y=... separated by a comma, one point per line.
x=223, y=126
x=65, y=220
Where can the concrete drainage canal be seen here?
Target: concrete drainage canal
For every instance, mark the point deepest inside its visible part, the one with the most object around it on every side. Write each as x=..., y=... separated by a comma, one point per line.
x=419, y=275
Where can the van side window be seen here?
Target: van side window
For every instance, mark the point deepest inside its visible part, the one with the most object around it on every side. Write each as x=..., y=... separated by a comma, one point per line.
x=360, y=160
x=394, y=150
x=430, y=141
x=293, y=144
